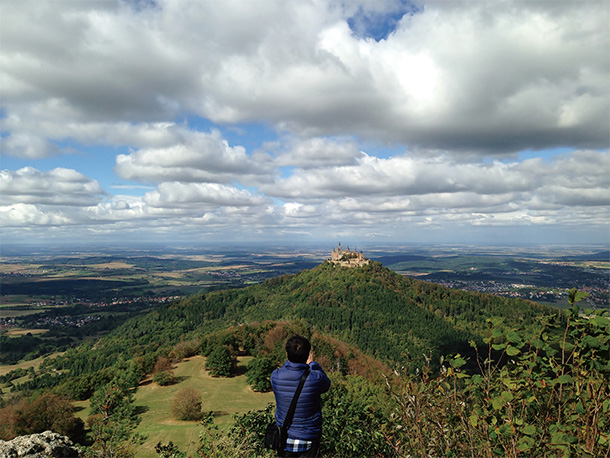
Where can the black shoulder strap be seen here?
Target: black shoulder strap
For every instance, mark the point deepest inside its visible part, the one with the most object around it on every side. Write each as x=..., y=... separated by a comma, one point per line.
x=293, y=404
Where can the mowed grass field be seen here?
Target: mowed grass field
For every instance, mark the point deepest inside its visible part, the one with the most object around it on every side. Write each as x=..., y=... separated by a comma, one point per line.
x=224, y=396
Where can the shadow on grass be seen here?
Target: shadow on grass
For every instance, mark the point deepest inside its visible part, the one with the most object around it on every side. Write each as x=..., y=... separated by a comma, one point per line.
x=139, y=410
x=239, y=370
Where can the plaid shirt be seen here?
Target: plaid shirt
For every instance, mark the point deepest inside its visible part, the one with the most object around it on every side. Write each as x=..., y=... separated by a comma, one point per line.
x=297, y=445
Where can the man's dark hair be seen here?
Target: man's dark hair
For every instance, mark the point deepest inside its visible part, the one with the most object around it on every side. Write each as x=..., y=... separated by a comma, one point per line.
x=297, y=349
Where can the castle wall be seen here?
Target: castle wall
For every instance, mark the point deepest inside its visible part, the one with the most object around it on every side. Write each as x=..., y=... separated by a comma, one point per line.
x=348, y=258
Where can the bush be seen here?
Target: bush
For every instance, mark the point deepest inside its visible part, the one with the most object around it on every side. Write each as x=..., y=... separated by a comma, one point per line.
x=248, y=431
x=47, y=412
x=187, y=405
x=259, y=371
x=164, y=378
x=547, y=394
x=221, y=362
x=354, y=410
x=162, y=364
x=185, y=349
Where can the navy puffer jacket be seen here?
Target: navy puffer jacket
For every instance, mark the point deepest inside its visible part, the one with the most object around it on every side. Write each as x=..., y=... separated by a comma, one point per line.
x=307, y=421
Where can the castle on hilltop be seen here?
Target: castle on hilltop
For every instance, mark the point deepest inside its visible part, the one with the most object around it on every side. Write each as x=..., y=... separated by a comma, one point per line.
x=348, y=258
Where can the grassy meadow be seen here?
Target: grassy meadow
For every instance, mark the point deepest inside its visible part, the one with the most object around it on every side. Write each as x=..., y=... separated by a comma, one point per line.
x=6, y=368
x=223, y=396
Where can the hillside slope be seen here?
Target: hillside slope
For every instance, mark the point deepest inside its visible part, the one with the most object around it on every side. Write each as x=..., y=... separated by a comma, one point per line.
x=383, y=313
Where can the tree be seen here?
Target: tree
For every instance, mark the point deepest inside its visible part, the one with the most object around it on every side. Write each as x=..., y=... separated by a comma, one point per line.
x=113, y=419
x=162, y=365
x=163, y=373
x=259, y=370
x=220, y=363
x=46, y=412
x=187, y=405
x=184, y=349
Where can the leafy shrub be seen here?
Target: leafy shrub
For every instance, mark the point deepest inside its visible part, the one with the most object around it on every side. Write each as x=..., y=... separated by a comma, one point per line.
x=168, y=451
x=164, y=378
x=354, y=410
x=185, y=349
x=248, y=430
x=187, y=405
x=46, y=412
x=547, y=394
x=163, y=364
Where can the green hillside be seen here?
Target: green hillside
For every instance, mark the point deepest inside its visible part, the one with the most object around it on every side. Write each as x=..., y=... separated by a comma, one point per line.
x=385, y=314
x=363, y=322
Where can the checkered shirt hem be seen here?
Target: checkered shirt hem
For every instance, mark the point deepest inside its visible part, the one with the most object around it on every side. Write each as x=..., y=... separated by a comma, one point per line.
x=297, y=445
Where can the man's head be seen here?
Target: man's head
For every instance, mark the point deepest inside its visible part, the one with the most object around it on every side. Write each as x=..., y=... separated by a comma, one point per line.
x=297, y=349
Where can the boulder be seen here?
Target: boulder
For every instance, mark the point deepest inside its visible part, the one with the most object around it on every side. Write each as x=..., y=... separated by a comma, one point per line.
x=43, y=445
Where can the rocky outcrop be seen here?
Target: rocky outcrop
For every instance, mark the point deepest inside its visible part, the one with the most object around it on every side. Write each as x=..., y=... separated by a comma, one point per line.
x=43, y=445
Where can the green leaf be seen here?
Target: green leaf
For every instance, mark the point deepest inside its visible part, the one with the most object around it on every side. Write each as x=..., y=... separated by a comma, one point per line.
x=495, y=321
x=512, y=351
x=558, y=438
x=474, y=420
x=524, y=445
x=565, y=378
x=575, y=296
x=497, y=333
x=529, y=430
x=507, y=396
x=498, y=403
x=513, y=337
x=599, y=321
x=458, y=362
x=591, y=341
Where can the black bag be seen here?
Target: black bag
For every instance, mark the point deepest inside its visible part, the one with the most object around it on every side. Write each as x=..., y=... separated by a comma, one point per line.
x=275, y=436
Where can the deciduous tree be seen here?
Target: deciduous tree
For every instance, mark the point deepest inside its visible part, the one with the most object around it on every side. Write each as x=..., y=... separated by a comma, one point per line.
x=220, y=363
x=187, y=405
x=259, y=371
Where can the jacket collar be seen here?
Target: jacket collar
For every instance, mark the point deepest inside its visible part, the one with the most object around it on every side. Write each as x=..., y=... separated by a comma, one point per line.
x=295, y=366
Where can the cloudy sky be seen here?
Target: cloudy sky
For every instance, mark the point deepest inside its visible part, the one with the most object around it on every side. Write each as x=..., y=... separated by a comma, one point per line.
x=361, y=121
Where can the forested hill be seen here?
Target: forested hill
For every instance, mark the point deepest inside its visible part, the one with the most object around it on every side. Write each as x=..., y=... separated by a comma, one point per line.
x=383, y=313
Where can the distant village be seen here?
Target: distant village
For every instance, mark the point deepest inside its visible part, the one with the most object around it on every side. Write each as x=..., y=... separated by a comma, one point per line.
x=80, y=320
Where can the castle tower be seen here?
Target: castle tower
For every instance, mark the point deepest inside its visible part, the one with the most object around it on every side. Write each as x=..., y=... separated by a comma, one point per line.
x=348, y=258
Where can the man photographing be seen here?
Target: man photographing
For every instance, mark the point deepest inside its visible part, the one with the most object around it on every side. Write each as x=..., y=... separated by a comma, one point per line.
x=305, y=431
